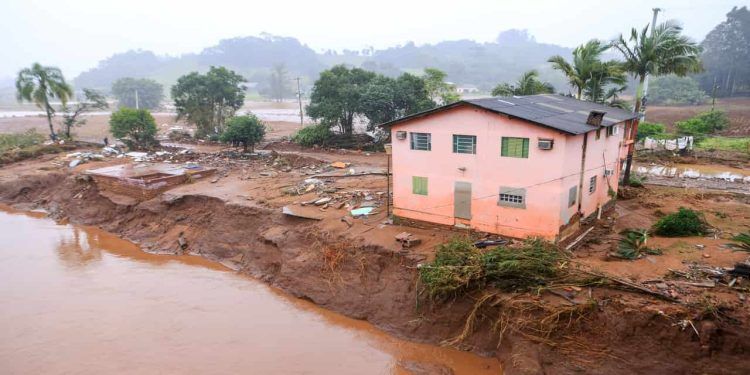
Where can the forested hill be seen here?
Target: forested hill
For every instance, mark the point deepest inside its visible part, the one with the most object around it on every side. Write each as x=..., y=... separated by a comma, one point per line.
x=466, y=62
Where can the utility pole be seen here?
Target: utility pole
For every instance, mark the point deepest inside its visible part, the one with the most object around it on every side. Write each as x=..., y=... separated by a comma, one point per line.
x=299, y=99
x=136, y=100
x=645, y=82
x=713, y=94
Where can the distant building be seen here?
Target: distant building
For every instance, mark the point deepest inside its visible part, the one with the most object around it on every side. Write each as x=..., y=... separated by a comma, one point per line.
x=467, y=89
x=518, y=166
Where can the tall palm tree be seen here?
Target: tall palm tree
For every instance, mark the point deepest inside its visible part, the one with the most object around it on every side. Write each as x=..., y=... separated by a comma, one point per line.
x=586, y=61
x=528, y=84
x=39, y=84
x=605, y=78
x=664, y=51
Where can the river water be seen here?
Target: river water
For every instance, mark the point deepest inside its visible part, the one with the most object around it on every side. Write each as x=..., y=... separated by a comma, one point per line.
x=77, y=300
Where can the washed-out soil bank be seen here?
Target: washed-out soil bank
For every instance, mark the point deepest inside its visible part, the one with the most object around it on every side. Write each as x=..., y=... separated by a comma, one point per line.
x=617, y=332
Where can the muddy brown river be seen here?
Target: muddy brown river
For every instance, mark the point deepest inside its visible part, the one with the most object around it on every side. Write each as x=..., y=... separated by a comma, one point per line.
x=76, y=300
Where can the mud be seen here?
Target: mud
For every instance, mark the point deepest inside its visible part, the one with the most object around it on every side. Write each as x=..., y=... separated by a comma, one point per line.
x=615, y=332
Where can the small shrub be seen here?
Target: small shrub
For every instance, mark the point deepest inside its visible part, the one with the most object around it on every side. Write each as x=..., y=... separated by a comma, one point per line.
x=20, y=140
x=683, y=223
x=703, y=124
x=650, y=129
x=632, y=244
x=245, y=130
x=179, y=135
x=313, y=135
x=135, y=127
x=510, y=269
x=636, y=181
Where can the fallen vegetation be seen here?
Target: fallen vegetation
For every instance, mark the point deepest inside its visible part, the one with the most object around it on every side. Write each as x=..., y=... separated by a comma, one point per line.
x=683, y=223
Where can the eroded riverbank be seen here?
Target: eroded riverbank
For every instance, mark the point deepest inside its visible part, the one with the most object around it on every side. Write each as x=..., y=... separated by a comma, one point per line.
x=81, y=300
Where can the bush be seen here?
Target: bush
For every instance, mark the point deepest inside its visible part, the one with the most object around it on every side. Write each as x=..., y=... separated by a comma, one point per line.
x=20, y=140
x=245, y=130
x=650, y=129
x=703, y=124
x=672, y=89
x=683, y=223
x=459, y=267
x=313, y=135
x=724, y=144
x=135, y=127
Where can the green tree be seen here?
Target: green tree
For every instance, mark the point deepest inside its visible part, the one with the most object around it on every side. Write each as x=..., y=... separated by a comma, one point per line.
x=92, y=100
x=726, y=55
x=587, y=74
x=440, y=92
x=245, y=130
x=279, y=82
x=336, y=97
x=385, y=99
x=672, y=89
x=665, y=51
x=528, y=84
x=149, y=93
x=207, y=100
x=40, y=84
x=703, y=124
x=135, y=127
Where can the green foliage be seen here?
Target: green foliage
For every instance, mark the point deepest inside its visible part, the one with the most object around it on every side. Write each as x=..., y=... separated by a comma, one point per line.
x=245, y=130
x=337, y=97
x=650, y=129
x=588, y=74
x=150, y=93
x=725, y=144
x=665, y=51
x=279, y=82
x=313, y=135
x=632, y=244
x=726, y=55
x=636, y=181
x=438, y=90
x=683, y=223
x=703, y=124
x=459, y=267
x=135, y=127
x=672, y=90
x=528, y=84
x=20, y=140
x=92, y=100
x=207, y=100
x=40, y=84
x=742, y=242
x=341, y=94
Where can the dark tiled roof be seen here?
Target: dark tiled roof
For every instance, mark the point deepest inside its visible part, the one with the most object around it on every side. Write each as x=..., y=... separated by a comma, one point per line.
x=563, y=113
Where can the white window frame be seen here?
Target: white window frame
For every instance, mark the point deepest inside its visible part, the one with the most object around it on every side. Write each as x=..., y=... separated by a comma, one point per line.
x=414, y=141
x=456, y=147
x=512, y=197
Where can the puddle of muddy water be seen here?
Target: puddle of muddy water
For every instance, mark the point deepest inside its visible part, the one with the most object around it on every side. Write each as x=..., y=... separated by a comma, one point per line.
x=716, y=172
x=79, y=300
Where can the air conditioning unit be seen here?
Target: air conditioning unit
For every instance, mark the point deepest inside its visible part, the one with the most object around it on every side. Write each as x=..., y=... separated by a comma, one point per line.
x=546, y=144
x=609, y=172
x=401, y=135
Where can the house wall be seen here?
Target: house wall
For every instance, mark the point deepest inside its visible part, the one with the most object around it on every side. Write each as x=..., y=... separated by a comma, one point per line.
x=486, y=170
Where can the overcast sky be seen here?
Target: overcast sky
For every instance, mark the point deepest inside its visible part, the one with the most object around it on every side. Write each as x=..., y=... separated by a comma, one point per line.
x=76, y=34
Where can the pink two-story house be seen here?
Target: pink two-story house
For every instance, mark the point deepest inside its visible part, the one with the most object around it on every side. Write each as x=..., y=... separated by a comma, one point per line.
x=515, y=166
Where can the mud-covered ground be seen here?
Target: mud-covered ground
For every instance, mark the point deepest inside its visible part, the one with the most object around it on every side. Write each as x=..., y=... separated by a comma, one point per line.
x=617, y=322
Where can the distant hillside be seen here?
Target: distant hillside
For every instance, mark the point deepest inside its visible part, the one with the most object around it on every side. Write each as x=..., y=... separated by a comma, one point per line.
x=465, y=61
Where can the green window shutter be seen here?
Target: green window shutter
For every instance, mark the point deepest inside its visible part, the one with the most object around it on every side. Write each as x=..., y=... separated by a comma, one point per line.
x=419, y=185
x=514, y=147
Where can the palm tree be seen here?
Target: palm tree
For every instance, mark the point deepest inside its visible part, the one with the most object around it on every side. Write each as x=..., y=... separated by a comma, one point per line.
x=585, y=62
x=606, y=78
x=39, y=84
x=528, y=84
x=664, y=51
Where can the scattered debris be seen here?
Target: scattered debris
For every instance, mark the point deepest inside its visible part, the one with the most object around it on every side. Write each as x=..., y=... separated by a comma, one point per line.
x=481, y=244
x=364, y=211
x=300, y=212
x=340, y=164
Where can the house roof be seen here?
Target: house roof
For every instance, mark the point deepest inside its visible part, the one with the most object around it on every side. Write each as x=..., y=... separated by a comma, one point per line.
x=558, y=112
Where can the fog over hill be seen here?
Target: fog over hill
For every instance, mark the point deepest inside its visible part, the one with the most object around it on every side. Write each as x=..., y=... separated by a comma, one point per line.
x=467, y=62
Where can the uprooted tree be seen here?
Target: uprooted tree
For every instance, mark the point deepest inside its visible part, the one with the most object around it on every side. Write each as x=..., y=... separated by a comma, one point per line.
x=134, y=127
x=207, y=100
x=245, y=130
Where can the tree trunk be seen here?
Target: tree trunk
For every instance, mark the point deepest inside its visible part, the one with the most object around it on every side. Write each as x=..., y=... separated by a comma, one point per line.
x=48, y=109
x=633, y=132
x=579, y=93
